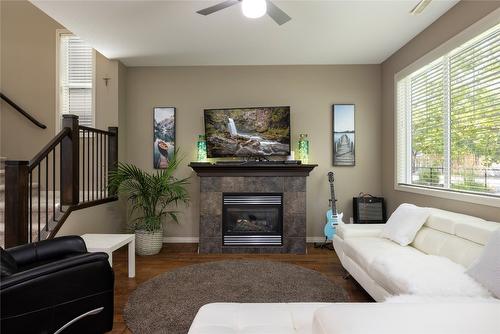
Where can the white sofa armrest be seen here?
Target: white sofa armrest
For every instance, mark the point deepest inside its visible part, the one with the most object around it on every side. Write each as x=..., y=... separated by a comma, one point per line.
x=415, y=318
x=359, y=230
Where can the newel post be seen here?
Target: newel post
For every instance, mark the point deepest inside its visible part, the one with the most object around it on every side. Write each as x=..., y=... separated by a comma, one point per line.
x=16, y=203
x=112, y=150
x=70, y=162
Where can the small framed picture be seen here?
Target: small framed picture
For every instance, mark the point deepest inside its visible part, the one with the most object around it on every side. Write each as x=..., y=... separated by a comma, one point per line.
x=163, y=136
x=343, y=135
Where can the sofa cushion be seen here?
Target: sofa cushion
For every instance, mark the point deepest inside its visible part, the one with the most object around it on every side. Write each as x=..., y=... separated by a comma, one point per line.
x=446, y=221
x=302, y=315
x=478, y=232
x=411, y=318
x=242, y=318
x=345, y=231
x=255, y=318
x=427, y=275
x=459, y=250
x=486, y=270
x=404, y=223
x=364, y=250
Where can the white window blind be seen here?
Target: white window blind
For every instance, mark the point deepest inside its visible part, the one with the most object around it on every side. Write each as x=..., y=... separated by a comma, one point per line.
x=75, y=78
x=448, y=120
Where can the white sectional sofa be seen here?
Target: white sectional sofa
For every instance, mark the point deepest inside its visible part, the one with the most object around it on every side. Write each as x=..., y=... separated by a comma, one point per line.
x=385, y=269
x=347, y=318
x=454, y=236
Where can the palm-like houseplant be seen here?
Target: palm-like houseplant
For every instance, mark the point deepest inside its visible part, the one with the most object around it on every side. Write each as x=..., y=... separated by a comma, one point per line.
x=151, y=196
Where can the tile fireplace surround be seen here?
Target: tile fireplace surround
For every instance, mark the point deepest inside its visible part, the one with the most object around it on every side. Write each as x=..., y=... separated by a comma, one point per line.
x=289, y=180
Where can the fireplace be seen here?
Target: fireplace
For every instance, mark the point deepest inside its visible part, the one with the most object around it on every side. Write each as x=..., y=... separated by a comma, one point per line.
x=275, y=196
x=252, y=219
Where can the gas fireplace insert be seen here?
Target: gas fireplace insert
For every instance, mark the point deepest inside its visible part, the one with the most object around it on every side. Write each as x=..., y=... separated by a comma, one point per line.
x=252, y=219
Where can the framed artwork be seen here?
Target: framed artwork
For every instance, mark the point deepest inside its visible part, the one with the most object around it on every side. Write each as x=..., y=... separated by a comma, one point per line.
x=343, y=135
x=163, y=136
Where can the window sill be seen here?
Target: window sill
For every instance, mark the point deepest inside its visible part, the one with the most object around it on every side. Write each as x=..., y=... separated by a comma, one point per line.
x=449, y=194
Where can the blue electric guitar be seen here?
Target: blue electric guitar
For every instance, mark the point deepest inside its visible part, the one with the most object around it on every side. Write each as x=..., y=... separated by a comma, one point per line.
x=333, y=218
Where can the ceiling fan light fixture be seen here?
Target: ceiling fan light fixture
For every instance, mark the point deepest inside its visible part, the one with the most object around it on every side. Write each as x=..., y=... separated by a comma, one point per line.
x=254, y=9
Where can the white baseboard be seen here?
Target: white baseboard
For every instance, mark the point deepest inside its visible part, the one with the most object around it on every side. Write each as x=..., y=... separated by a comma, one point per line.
x=194, y=240
x=180, y=240
x=315, y=239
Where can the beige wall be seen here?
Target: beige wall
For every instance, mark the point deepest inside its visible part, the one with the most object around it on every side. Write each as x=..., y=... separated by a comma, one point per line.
x=105, y=218
x=309, y=90
x=451, y=23
x=28, y=39
x=106, y=95
x=122, y=111
x=28, y=77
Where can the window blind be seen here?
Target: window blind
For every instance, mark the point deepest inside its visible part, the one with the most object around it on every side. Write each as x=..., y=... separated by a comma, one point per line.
x=475, y=113
x=76, y=72
x=448, y=120
x=427, y=131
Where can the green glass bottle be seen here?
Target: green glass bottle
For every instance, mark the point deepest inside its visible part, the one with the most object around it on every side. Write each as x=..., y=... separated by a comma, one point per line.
x=202, y=148
x=304, y=149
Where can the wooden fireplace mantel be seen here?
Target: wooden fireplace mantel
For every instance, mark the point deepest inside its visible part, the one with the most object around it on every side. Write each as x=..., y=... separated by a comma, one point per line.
x=208, y=169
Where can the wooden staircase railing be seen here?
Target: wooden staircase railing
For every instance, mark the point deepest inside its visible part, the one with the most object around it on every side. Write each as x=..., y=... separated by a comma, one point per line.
x=68, y=174
x=23, y=112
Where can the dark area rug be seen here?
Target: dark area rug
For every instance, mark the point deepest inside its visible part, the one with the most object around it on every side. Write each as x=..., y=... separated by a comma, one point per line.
x=168, y=302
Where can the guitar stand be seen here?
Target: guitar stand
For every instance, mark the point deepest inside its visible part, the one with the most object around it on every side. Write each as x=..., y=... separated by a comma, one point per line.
x=325, y=244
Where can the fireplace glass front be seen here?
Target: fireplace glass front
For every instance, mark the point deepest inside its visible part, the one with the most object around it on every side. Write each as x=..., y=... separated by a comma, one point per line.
x=252, y=219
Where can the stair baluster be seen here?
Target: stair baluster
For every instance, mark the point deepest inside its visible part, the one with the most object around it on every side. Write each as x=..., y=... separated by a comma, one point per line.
x=24, y=180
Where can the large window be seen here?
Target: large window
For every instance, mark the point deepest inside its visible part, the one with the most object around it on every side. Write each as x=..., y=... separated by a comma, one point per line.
x=448, y=120
x=75, y=78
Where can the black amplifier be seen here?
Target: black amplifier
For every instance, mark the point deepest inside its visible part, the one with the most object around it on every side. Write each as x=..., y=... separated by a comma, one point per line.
x=368, y=209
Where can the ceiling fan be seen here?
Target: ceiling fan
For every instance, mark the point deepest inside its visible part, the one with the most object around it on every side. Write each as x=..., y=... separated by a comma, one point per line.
x=251, y=9
x=419, y=8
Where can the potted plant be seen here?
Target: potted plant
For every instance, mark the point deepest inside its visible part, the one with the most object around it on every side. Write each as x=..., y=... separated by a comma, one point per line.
x=151, y=196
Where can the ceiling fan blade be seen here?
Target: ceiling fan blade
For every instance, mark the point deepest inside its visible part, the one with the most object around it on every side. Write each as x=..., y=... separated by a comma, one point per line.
x=277, y=14
x=419, y=8
x=217, y=7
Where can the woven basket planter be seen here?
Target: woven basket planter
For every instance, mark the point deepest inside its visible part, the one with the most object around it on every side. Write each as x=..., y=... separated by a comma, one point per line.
x=148, y=243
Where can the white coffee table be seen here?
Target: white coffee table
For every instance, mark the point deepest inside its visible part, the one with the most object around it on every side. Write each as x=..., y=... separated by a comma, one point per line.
x=108, y=243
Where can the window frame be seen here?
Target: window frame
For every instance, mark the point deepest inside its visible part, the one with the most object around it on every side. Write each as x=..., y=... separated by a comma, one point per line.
x=58, y=114
x=401, y=145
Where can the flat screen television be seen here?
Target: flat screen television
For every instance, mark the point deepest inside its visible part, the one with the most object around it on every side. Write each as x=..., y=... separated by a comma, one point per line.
x=247, y=132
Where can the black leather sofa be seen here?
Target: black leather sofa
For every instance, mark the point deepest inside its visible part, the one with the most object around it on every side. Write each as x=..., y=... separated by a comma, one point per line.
x=55, y=286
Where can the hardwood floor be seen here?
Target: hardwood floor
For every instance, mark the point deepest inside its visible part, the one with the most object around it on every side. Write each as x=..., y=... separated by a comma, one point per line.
x=174, y=256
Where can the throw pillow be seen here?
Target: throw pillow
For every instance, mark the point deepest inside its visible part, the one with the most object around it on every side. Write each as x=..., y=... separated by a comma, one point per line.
x=403, y=225
x=486, y=269
x=8, y=265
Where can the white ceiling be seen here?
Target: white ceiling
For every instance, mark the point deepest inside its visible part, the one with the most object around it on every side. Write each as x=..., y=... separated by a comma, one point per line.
x=170, y=33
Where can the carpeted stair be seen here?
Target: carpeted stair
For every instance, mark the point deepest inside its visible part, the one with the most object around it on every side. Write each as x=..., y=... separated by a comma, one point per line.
x=45, y=210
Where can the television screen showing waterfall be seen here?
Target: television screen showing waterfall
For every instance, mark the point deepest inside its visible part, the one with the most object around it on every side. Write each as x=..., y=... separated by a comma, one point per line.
x=247, y=132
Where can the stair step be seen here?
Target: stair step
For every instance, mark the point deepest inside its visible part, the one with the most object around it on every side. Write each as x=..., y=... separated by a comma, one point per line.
x=34, y=236
x=35, y=226
x=53, y=217
x=43, y=208
x=34, y=195
x=34, y=186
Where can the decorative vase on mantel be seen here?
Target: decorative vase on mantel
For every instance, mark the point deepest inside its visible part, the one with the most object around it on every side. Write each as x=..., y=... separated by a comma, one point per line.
x=304, y=148
x=201, y=146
